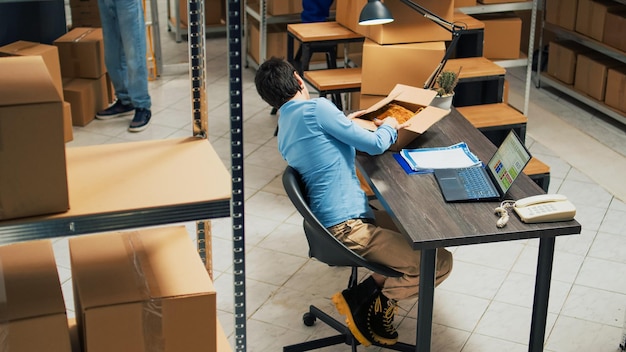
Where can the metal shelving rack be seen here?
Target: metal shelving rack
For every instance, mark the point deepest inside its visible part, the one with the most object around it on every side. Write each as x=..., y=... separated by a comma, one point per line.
x=264, y=20
x=569, y=89
x=235, y=37
x=174, y=22
x=514, y=6
x=197, y=69
x=45, y=227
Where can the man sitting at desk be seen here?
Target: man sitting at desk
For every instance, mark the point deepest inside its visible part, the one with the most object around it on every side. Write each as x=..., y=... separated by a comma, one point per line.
x=320, y=142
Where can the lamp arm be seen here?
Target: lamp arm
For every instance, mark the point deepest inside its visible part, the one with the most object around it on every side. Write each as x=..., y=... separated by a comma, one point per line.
x=449, y=26
x=430, y=82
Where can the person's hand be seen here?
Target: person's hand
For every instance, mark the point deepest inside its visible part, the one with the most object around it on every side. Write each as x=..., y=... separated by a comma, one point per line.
x=392, y=122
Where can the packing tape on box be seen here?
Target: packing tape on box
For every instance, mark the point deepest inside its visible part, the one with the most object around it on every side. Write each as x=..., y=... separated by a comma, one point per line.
x=152, y=309
x=4, y=313
x=83, y=35
x=24, y=47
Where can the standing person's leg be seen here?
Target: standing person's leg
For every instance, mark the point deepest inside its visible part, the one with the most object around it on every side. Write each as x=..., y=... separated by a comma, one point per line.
x=114, y=60
x=131, y=24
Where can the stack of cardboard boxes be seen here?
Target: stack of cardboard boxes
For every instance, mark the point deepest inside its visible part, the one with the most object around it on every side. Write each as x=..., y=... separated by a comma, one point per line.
x=590, y=72
x=85, y=83
x=33, y=175
x=136, y=291
x=405, y=51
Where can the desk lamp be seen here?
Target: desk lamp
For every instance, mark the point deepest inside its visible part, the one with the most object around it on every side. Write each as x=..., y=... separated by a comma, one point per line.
x=375, y=12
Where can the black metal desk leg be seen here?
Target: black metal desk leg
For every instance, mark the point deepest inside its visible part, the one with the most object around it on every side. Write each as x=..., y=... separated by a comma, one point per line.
x=542, y=294
x=290, y=46
x=426, y=299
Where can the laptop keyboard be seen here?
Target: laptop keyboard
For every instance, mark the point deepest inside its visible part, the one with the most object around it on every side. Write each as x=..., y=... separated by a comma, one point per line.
x=475, y=183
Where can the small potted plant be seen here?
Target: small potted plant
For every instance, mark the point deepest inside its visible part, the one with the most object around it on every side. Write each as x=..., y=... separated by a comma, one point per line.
x=446, y=82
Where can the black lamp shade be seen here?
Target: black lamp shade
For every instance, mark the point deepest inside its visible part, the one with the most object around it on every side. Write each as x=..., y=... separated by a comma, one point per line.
x=375, y=12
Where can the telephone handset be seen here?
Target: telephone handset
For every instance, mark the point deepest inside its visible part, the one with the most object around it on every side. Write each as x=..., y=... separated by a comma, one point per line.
x=545, y=208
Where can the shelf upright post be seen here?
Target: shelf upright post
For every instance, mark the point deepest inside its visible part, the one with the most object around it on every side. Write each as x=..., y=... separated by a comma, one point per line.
x=529, y=63
x=197, y=67
x=156, y=36
x=235, y=62
x=263, y=31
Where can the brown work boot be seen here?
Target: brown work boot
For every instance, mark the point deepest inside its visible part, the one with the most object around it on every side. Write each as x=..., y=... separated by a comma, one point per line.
x=354, y=304
x=380, y=316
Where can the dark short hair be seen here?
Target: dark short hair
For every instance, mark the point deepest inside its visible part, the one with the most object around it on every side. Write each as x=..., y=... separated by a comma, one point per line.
x=275, y=82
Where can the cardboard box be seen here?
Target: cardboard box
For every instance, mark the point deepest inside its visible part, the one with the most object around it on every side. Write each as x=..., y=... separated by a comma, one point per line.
x=283, y=7
x=367, y=100
x=85, y=13
x=214, y=12
x=562, y=13
x=68, y=132
x=86, y=96
x=34, y=317
x=416, y=99
x=562, y=59
x=409, y=26
x=616, y=88
x=499, y=1
x=81, y=52
x=591, y=14
x=384, y=66
x=464, y=3
x=49, y=54
x=503, y=33
x=33, y=175
x=591, y=73
x=276, y=40
x=153, y=281
x=615, y=30
x=526, y=17
x=85, y=16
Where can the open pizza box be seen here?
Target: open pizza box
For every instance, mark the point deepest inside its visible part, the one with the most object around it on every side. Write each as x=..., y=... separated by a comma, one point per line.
x=414, y=99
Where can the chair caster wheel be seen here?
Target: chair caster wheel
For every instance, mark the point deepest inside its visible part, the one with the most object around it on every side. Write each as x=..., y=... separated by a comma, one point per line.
x=308, y=319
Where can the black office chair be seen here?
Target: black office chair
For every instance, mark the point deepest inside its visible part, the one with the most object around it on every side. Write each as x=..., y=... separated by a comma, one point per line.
x=327, y=249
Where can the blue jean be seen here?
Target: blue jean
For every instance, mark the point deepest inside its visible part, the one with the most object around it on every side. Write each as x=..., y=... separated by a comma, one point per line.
x=124, y=32
x=315, y=10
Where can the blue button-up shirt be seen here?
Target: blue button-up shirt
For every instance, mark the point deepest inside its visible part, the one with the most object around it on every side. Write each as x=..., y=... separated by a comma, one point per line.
x=320, y=142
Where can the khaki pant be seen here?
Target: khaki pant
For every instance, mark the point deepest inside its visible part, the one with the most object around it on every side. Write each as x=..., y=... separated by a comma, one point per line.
x=388, y=247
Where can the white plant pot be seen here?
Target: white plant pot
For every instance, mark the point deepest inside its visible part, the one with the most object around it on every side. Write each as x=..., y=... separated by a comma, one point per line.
x=444, y=102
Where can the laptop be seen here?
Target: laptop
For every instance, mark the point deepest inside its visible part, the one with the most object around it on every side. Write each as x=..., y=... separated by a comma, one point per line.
x=486, y=182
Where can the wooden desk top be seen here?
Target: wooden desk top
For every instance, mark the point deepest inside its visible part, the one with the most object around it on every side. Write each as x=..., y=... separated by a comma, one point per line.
x=419, y=210
x=488, y=115
x=475, y=67
x=135, y=184
x=334, y=79
x=320, y=31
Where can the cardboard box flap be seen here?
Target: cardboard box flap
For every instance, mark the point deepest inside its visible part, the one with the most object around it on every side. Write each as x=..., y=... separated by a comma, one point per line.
x=26, y=80
x=125, y=267
x=411, y=98
x=412, y=94
x=31, y=283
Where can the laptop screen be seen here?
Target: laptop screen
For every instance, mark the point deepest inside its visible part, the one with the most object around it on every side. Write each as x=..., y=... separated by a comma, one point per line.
x=508, y=161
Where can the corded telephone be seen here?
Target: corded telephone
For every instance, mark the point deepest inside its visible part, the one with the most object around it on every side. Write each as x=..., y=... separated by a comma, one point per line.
x=544, y=208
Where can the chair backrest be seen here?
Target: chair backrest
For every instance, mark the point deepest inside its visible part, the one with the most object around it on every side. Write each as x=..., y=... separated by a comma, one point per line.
x=322, y=244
